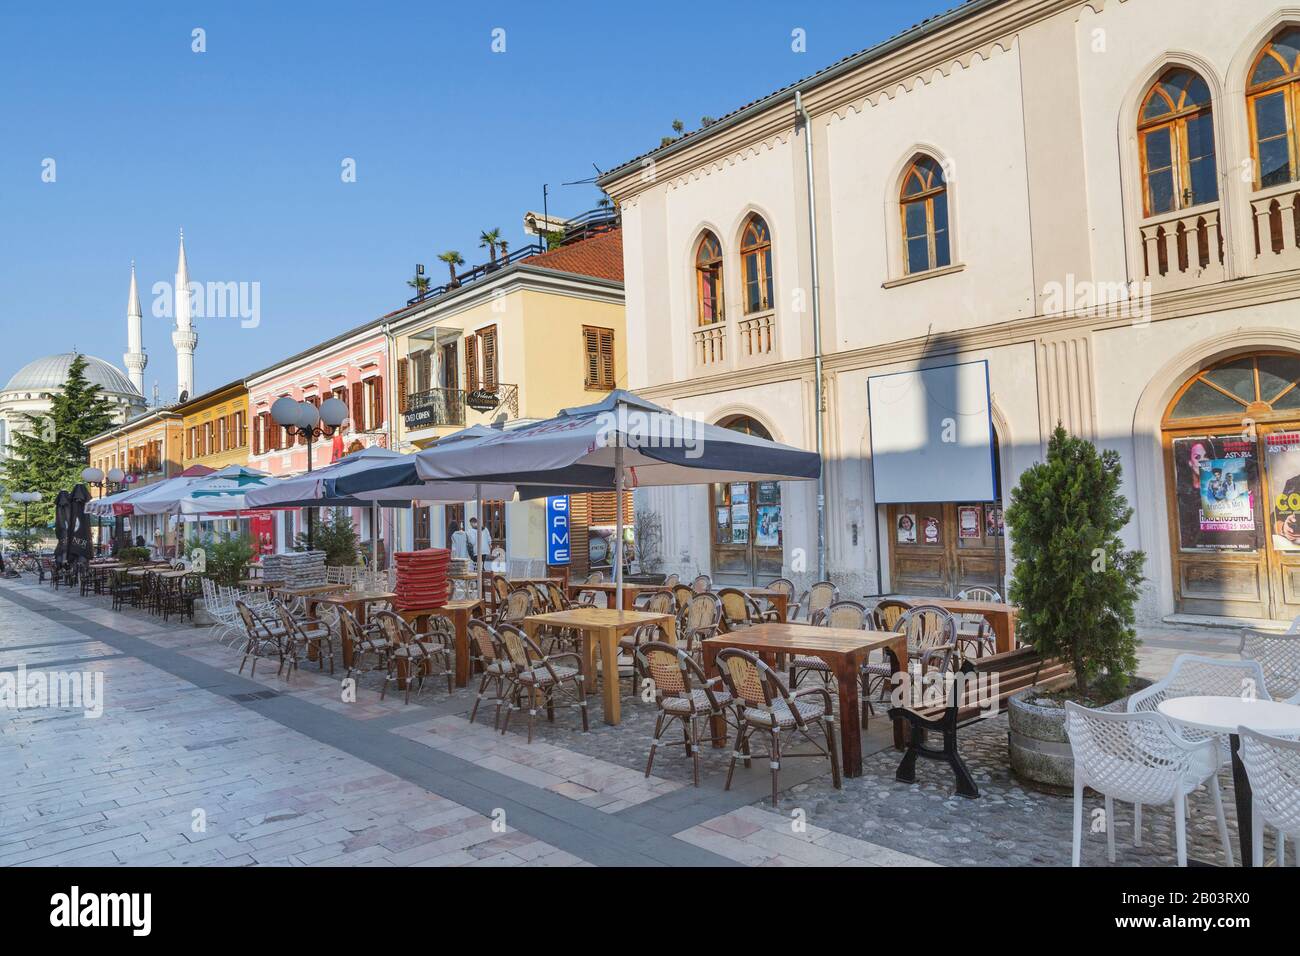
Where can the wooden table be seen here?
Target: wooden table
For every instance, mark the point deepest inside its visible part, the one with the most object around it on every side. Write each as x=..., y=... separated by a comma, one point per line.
x=845, y=650
x=310, y=591
x=603, y=627
x=460, y=612
x=1001, y=617
x=630, y=591
x=257, y=584
x=356, y=602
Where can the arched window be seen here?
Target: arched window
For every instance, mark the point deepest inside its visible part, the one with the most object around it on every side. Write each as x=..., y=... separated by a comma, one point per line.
x=1271, y=94
x=1176, y=144
x=924, y=209
x=708, y=279
x=756, y=264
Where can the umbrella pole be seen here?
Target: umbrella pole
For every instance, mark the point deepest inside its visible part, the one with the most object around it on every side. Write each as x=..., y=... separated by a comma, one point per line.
x=618, y=506
x=478, y=535
x=374, y=536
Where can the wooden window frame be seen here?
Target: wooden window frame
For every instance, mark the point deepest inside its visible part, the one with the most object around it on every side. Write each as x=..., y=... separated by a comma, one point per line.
x=1289, y=83
x=761, y=251
x=713, y=265
x=1181, y=164
x=928, y=196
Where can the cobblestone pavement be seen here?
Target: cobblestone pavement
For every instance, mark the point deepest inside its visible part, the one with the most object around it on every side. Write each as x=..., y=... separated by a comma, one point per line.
x=192, y=764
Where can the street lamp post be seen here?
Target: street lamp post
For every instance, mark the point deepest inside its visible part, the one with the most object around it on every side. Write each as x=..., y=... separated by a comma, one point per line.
x=99, y=478
x=303, y=419
x=27, y=499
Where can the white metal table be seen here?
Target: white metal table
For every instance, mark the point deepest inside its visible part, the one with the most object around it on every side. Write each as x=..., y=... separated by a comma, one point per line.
x=1223, y=715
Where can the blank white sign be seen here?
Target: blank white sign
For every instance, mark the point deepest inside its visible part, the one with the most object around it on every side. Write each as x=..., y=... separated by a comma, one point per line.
x=931, y=437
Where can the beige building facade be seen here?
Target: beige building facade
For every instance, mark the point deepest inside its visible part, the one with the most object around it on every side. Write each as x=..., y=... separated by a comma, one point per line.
x=1099, y=202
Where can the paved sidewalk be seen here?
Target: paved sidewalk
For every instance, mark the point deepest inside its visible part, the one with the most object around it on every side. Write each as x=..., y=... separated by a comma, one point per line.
x=195, y=764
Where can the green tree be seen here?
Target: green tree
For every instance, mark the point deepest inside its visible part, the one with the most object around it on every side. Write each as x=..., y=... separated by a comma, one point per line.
x=489, y=239
x=50, y=454
x=1075, y=582
x=453, y=259
x=336, y=535
x=419, y=283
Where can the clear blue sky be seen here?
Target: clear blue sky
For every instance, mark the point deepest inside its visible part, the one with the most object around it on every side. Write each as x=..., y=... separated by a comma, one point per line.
x=242, y=145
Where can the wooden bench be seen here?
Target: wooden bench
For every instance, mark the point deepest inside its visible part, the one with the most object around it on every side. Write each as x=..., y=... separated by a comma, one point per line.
x=981, y=687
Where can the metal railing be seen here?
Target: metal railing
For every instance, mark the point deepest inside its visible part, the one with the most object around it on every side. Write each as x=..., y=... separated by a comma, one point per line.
x=446, y=406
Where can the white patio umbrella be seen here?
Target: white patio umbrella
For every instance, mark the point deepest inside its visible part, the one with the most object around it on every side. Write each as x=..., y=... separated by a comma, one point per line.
x=619, y=440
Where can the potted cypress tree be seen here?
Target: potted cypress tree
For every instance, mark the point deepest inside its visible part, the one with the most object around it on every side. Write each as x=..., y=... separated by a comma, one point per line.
x=1076, y=586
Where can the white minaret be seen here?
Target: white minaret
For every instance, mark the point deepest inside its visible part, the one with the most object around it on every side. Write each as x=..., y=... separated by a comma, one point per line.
x=135, y=359
x=184, y=337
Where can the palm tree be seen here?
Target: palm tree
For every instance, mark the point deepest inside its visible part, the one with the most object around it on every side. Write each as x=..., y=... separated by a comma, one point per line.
x=453, y=259
x=419, y=283
x=505, y=248
x=488, y=239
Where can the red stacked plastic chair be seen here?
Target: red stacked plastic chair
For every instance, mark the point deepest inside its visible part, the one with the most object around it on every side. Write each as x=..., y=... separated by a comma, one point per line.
x=421, y=579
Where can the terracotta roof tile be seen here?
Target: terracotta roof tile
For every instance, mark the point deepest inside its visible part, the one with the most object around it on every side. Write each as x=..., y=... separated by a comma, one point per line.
x=600, y=257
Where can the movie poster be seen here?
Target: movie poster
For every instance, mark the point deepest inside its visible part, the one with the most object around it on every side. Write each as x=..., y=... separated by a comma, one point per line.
x=993, y=522
x=931, y=530
x=768, y=534
x=1216, y=483
x=968, y=521
x=1282, y=461
x=905, y=529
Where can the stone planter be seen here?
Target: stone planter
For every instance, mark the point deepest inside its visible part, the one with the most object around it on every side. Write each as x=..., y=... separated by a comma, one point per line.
x=1036, y=741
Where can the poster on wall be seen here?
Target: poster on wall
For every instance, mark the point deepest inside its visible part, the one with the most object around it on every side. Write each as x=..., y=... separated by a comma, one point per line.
x=768, y=534
x=968, y=522
x=906, y=529
x=740, y=493
x=1216, y=481
x=769, y=493
x=739, y=523
x=993, y=522
x=261, y=525
x=931, y=530
x=1282, y=461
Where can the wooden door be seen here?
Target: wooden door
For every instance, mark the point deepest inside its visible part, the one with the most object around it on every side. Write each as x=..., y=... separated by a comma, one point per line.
x=1280, y=449
x=942, y=548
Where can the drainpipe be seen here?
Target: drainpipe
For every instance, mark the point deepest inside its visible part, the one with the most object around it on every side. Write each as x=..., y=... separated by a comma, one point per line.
x=817, y=335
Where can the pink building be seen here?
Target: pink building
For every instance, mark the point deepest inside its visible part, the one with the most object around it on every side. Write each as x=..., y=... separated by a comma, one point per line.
x=352, y=367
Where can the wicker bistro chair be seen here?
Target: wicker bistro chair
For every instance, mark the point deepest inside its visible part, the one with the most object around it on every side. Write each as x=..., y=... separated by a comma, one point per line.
x=500, y=587
x=817, y=598
x=368, y=643
x=595, y=577
x=672, y=581
x=544, y=679
x=1279, y=656
x=656, y=602
x=483, y=643
x=764, y=705
x=887, y=613
x=1139, y=757
x=1273, y=766
x=518, y=604
x=682, y=693
x=262, y=637
x=303, y=635
x=931, y=639
x=974, y=630
x=430, y=653
x=786, y=587
x=849, y=615
x=702, y=584
x=698, y=621
x=739, y=609
x=683, y=594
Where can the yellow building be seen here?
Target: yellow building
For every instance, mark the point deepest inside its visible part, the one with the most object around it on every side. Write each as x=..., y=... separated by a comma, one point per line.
x=522, y=341
x=214, y=427
x=147, y=449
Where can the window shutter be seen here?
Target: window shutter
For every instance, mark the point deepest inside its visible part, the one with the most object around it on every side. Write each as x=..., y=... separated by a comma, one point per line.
x=376, y=401
x=357, y=406
x=403, y=375
x=591, y=345
x=606, y=358
x=488, y=340
x=471, y=363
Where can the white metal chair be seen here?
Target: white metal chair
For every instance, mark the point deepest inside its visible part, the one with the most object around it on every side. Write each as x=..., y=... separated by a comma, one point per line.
x=974, y=629
x=1279, y=656
x=1195, y=676
x=1139, y=758
x=1273, y=765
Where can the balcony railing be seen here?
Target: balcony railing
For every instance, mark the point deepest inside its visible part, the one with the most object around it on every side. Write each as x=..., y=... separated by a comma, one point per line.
x=1276, y=220
x=446, y=406
x=1183, y=249
x=710, y=343
x=755, y=334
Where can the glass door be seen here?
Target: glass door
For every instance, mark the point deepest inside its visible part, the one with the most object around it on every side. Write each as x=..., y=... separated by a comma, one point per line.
x=747, y=534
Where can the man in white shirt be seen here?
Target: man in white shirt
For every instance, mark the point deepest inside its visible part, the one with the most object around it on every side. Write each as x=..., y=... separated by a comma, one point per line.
x=479, y=541
x=459, y=542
